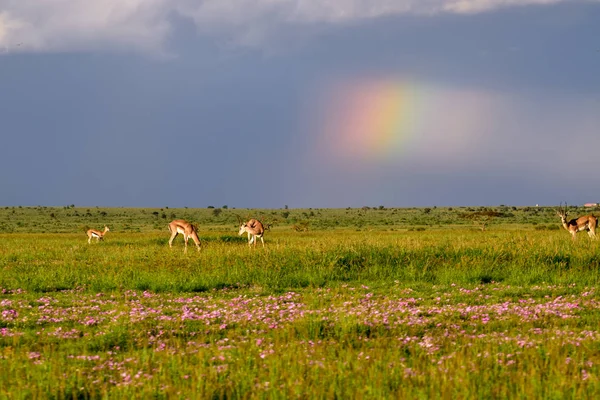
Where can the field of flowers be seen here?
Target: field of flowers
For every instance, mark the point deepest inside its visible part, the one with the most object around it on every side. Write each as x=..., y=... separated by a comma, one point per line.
x=447, y=313
x=485, y=341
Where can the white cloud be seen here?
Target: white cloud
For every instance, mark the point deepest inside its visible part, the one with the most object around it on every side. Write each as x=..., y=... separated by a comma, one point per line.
x=144, y=25
x=59, y=25
x=475, y=6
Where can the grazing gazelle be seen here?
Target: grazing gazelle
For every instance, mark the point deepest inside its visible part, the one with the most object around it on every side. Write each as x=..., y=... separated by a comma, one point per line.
x=586, y=223
x=92, y=233
x=255, y=229
x=187, y=229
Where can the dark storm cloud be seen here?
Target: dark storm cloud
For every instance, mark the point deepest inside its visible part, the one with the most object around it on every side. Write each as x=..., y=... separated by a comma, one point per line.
x=214, y=121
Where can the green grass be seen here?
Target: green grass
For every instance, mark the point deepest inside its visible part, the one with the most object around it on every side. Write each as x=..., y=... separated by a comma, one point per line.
x=363, y=305
x=292, y=260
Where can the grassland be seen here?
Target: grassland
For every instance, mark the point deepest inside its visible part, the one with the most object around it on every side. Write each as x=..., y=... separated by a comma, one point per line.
x=346, y=303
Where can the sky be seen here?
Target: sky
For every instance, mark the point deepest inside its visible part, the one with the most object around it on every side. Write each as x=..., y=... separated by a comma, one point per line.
x=299, y=103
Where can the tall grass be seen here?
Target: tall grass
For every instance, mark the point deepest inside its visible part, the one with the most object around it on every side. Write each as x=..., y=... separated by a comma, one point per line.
x=295, y=260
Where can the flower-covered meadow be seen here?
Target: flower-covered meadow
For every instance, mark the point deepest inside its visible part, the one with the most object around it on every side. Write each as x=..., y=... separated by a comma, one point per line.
x=483, y=341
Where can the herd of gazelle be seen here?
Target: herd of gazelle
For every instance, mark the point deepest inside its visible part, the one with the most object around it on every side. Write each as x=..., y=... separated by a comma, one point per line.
x=255, y=229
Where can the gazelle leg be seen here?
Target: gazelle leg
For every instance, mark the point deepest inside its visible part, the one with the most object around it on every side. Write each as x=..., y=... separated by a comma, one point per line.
x=263, y=241
x=196, y=240
x=173, y=236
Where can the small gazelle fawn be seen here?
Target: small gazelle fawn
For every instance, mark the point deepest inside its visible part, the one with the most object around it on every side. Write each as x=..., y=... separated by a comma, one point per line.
x=255, y=229
x=586, y=223
x=92, y=233
x=187, y=229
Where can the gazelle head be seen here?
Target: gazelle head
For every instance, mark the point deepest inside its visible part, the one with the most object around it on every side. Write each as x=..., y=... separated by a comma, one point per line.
x=106, y=229
x=243, y=225
x=562, y=212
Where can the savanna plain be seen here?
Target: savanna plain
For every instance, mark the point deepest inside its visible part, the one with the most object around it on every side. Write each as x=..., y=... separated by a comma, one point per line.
x=376, y=302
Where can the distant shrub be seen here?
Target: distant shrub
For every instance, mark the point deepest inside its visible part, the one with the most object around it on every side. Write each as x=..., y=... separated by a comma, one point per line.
x=301, y=226
x=482, y=213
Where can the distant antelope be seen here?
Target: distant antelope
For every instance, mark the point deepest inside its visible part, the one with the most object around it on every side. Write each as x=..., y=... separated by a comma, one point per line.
x=586, y=223
x=187, y=229
x=255, y=229
x=92, y=233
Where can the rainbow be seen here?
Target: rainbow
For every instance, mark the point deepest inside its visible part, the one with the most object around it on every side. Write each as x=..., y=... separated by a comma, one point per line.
x=387, y=119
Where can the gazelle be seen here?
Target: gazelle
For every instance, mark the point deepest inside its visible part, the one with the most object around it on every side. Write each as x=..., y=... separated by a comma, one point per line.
x=255, y=229
x=586, y=223
x=187, y=229
x=92, y=233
